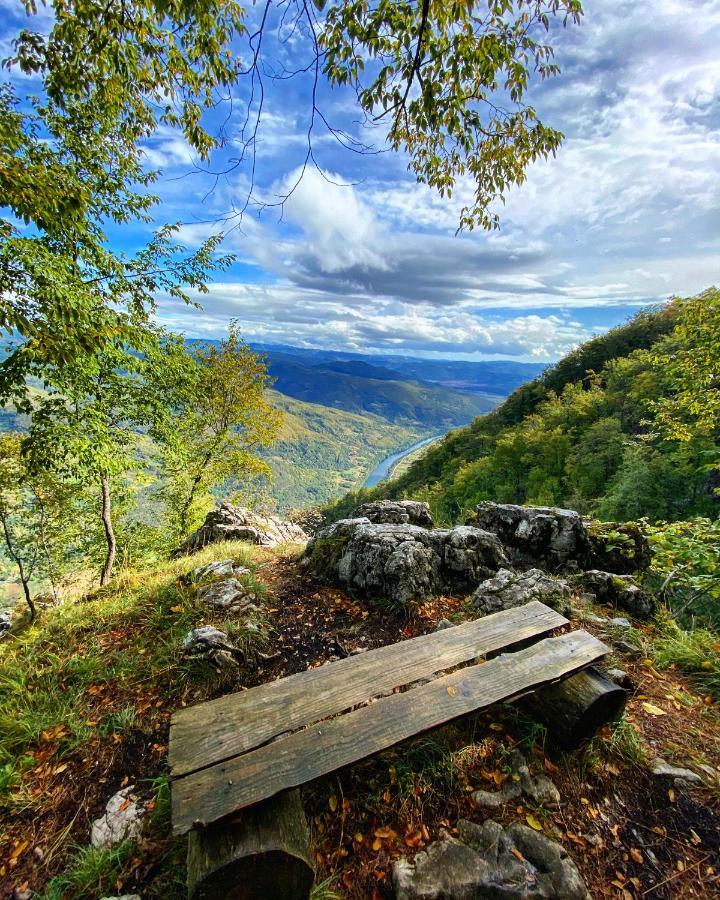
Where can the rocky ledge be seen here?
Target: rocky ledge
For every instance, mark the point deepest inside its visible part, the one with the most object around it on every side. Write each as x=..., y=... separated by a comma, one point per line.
x=505, y=556
x=236, y=523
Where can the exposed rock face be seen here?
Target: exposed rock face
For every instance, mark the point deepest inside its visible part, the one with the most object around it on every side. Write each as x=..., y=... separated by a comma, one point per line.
x=539, y=788
x=535, y=535
x=516, y=863
x=211, y=645
x=620, y=590
x=620, y=548
x=236, y=523
x=403, y=562
x=228, y=595
x=5, y=624
x=508, y=589
x=396, y=512
x=122, y=819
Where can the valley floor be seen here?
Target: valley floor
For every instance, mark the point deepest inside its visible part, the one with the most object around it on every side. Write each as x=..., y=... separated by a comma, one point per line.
x=85, y=702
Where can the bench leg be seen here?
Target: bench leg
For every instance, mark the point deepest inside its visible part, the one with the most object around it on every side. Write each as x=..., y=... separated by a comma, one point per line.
x=573, y=710
x=259, y=854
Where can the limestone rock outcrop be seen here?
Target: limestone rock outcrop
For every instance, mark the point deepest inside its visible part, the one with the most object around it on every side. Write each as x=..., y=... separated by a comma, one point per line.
x=619, y=590
x=396, y=512
x=237, y=523
x=544, y=536
x=403, y=562
x=508, y=589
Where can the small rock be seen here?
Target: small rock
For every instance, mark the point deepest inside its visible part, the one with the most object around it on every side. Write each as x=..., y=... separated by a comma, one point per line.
x=628, y=649
x=124, y=897
x=619, y=590
x=122, y=820
x=5, y=624
x=496, y=799
x=19, y=894
x=212, y=645
x=591, y=617
x=620, y=622
x=221, y=568
x=443, y=624
x=507, y=589
x=228, y=595
x=619, y=676
x=662, y=769
x=515, y=863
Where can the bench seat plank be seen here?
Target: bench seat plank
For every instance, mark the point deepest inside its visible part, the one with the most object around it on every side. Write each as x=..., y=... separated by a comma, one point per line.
x=222, y=789
x=219, y=729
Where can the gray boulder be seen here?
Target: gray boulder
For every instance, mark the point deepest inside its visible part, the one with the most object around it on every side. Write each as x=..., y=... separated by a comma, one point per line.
x=228, y=595
x=487, y=860
x=536, y=535
x=221, y=568
x=619, y=590
x=508, y=589
x=236, y=523
x=121, y=821
x=5, y=624
x=211, y=645
x=396, y=512
x=403, y=562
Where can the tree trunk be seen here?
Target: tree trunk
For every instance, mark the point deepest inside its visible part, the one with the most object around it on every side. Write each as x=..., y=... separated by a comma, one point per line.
x=109, y=531
x=24, y=578
x=261, y=853
x=574, y=709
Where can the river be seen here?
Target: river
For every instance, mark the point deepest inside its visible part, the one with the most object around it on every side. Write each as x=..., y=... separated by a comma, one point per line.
x=382, y=469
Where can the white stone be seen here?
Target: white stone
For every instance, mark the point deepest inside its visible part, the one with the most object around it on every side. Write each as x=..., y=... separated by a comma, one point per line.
x=122, y=820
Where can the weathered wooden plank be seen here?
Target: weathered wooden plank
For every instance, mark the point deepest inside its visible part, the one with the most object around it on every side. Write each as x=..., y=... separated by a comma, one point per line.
x=219, y=729
x=208, y=795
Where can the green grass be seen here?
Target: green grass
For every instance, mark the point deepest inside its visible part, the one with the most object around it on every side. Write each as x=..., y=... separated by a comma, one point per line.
x=79, y=668
x=92, y=873
x=695, y=653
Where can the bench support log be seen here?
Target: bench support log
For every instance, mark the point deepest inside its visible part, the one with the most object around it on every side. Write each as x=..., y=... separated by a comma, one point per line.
x=573, y=710
x=261, y=852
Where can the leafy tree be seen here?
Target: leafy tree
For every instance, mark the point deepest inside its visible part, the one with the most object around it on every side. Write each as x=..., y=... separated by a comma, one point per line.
x=38, y=517
x=87, y=427
x=689, y=363
x=449, y=78
x=219, y=420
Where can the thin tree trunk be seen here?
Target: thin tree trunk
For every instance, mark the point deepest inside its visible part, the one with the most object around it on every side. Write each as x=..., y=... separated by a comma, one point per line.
x=24, y=579
x=109, y=531
x=193, y=487
x=46, y=548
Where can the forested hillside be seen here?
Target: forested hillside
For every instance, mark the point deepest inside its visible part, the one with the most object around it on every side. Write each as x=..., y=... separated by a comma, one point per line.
x=586, y=434
x=320, y=452
x=359, y=387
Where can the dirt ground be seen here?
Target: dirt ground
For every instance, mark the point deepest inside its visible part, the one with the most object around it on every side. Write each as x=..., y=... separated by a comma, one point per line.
x=631, y=834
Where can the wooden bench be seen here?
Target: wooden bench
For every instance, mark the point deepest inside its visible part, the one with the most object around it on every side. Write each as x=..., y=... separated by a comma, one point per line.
x=235, y=752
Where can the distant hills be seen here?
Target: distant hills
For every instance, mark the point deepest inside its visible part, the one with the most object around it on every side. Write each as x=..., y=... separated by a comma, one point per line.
x=577, y=436
x=345, y=412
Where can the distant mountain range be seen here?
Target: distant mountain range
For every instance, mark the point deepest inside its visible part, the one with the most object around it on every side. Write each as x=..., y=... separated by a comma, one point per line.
x=496, y=378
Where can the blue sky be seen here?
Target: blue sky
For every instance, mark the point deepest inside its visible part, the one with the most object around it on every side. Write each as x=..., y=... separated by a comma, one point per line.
x=362, y=258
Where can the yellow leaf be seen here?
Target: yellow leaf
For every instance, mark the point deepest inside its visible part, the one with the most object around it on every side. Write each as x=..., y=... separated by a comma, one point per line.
x=533, y=822
x=359, y=837
x=377, y=844
x=452, y=690
x=176, y=609
x=332, y=803
x=653, y=710
x=636, y=855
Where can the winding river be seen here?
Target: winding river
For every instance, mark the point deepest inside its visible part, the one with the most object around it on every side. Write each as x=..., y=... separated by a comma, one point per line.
x=383, y=469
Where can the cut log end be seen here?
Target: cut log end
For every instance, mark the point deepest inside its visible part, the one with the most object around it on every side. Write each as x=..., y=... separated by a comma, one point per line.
x=575, y=709
x=260, y=853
